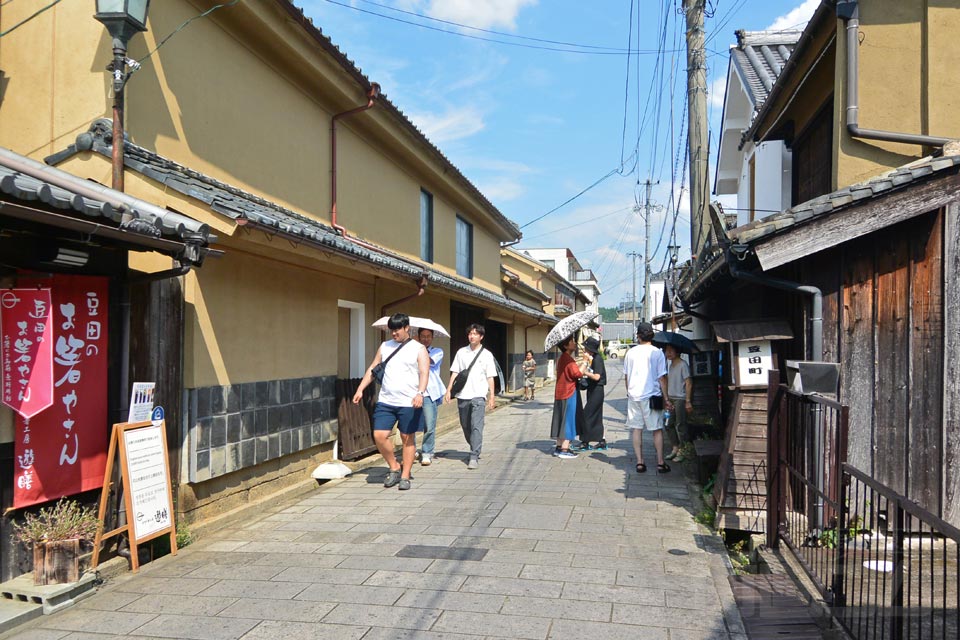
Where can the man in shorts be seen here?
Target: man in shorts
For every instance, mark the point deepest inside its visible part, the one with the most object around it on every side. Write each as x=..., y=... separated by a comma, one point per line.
x=400, y=400
x=645, y=372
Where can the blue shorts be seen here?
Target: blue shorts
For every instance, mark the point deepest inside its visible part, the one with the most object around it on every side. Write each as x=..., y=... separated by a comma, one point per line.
x=407, y=419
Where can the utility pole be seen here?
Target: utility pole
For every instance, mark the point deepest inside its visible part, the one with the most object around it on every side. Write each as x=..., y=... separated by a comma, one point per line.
x=634, y=255
x=646, y=251
x=697, y=138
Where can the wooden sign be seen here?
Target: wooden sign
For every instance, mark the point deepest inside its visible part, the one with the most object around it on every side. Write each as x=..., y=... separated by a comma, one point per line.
x=145, y=482
x=754, y=360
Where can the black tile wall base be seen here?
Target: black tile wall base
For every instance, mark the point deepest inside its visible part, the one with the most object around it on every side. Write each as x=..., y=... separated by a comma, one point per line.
x=239, y=426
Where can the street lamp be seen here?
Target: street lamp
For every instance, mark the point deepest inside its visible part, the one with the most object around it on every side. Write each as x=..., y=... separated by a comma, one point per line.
x=123, y=20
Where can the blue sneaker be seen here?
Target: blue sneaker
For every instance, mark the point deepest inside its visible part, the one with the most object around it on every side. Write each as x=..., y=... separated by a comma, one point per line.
x=566, y=455
x=583, y=446
x=600, y=446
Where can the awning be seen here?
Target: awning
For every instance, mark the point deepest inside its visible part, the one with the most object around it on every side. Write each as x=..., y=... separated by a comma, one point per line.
x=761, y=329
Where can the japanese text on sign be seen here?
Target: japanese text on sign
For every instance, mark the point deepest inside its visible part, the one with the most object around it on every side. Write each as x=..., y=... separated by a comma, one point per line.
x=754, y=360
x=147, y=472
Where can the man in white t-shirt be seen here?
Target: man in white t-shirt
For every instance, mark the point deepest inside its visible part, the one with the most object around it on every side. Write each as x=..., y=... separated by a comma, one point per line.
x=477, y=394
x=400, y=400
x=645, y=371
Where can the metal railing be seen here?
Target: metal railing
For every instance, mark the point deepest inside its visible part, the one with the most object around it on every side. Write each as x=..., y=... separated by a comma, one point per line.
x=888, y=568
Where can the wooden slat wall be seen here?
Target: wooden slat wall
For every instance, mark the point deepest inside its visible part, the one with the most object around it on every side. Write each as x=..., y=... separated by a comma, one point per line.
x=741, y=490
x=951, y=368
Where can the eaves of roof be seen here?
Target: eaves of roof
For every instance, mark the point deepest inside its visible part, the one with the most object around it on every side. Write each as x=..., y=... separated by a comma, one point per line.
x=760, y=58
x=248, y=208
x=514, y=281
x=820, y=16
x=297, y=15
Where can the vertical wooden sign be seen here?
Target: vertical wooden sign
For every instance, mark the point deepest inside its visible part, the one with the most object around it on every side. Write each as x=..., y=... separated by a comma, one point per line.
x=145, y=479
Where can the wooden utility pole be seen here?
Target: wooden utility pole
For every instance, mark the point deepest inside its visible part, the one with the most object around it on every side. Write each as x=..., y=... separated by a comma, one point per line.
x=697, y=139
x=646, y=252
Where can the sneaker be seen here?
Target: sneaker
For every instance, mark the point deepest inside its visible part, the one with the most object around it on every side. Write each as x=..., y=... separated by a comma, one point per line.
x=583, y=446
x=426, y=459
x=556, y=452
x=417, y=455
x=473, y=464
x=393, y=477
x=566, y=454
x=601, y=446
x=404, y=484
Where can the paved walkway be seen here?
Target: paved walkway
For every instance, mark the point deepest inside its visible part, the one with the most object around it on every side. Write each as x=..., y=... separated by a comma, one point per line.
x=527, y=546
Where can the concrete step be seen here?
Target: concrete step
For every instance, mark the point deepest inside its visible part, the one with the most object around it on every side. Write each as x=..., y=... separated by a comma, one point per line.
x=49, y=598
x=15, y=612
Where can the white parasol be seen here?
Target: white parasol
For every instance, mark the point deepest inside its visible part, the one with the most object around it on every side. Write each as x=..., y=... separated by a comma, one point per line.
x=419, y=323
x=567, y=327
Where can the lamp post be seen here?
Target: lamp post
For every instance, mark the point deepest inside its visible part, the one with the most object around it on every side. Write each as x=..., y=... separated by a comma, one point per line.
x=123, y=19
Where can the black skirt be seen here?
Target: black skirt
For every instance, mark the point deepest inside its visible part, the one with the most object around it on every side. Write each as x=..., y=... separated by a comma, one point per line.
x=593, y=416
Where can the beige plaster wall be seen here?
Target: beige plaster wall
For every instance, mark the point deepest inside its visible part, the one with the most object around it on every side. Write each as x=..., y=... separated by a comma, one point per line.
x=908, y=82
x=244, y=97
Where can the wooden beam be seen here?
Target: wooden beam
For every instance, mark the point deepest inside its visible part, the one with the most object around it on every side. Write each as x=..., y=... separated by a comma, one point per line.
x=832, y=229
x=951, y=365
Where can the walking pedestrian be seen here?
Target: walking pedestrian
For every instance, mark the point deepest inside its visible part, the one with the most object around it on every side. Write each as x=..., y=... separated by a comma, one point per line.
x=594, y=379
x=645, y=372
x=471, y=383
x=680, y=392
x=405, y=373
x=433, y=398
x=567, y=412
x=529, y=370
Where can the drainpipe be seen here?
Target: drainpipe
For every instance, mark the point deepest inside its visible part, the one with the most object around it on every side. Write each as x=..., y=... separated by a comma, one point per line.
x=816, y=310
x=421, y=285
x=849, y=12
x=529, y=326
x=372, y=95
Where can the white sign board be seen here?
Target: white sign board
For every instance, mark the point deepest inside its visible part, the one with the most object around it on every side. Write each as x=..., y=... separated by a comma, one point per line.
x=754, y=360
x=147, y=476
x=141, y=401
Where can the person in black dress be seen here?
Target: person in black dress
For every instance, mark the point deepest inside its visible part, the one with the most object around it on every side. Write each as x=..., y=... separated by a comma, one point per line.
x=594, y=378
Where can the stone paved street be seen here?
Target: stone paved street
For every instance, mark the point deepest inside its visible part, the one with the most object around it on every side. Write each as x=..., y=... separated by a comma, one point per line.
x=527, y=546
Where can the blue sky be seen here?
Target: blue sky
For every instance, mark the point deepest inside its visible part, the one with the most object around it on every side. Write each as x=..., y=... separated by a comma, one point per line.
x=533, y=127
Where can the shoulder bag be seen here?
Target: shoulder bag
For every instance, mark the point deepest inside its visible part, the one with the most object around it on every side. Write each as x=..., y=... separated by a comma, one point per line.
x=379, y=370
x=461, y=380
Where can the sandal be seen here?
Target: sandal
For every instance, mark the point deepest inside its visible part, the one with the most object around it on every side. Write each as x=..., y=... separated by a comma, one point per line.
x=663, y=468
x=641, y=468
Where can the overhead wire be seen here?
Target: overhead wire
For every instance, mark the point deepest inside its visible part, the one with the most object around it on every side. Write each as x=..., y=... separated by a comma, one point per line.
x=184, y=24
x=30, y=17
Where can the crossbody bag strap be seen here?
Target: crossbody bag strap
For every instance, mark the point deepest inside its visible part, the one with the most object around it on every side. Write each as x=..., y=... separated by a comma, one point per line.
x=474, y=360
x=402, y=345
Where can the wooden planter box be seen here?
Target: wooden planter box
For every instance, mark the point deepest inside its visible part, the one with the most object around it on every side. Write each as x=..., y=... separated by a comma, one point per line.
x=56, y=562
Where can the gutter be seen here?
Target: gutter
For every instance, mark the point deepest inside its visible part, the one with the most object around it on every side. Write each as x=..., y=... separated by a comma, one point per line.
x=816, y=302
x=849, y=12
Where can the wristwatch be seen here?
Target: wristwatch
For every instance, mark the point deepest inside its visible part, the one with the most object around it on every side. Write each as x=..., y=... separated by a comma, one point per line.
x=422, y=393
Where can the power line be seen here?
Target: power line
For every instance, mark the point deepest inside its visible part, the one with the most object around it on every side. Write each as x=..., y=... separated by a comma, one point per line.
x=582, y=51
x=579, y=224
x=497, y=33
x=30, y=17
x=569, y=200
x=185, y=23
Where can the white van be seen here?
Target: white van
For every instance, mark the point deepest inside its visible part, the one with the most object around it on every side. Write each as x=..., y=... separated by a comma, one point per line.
x=616, y=349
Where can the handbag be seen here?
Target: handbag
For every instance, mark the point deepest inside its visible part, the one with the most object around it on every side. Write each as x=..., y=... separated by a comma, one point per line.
x=461, y=380
x=656, y=403
x=381, y=368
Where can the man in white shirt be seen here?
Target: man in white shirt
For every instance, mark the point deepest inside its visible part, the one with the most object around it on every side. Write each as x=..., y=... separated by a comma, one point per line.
x=400, y=400
x=645, y=371
x=477, y=394
x=433, y=399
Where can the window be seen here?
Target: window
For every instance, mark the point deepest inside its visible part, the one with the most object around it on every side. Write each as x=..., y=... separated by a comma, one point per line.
x=426, y=226
x=464, y=248
x=813, y=157
x=550, y=263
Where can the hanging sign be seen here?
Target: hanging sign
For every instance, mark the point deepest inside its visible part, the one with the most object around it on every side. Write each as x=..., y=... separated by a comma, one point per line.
x=26, y=341
x=145, y=478
x=62, y=451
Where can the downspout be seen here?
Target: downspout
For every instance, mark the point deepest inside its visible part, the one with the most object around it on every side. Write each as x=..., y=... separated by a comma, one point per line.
x=421, y=285
x=816, y=311
x=372, y=95
x=849, y=12
x=529, y=326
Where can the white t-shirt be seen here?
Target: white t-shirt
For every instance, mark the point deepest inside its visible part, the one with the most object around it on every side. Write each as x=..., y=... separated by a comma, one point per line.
x=643, y=366
x=401, y=379
x=477, y=385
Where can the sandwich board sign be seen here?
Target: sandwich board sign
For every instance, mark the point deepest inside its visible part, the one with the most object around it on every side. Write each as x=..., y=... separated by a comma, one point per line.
x=145, y=479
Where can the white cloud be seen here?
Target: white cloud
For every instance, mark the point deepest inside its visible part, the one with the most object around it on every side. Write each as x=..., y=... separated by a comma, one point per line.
x=453, y=124
x=484, y=14
x=716, y=92
x=795, y=18
x=501, y=189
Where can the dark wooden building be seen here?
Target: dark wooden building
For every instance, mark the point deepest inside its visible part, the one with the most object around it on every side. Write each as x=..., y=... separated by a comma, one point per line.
x=884, y=255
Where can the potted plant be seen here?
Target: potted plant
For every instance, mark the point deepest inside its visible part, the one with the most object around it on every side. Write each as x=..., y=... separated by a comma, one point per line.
x=55, y=534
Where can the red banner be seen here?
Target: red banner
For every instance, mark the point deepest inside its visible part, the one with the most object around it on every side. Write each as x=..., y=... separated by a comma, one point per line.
x=27, y=346
x=63, y=450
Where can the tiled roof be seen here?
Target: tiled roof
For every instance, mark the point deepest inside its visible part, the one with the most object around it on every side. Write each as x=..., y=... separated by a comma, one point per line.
x=27, y=180
x=237, y=204
x=759, y=58
x=824, y=205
